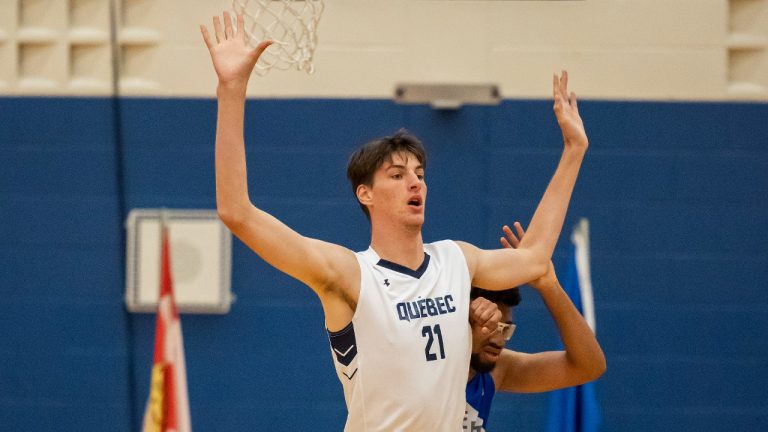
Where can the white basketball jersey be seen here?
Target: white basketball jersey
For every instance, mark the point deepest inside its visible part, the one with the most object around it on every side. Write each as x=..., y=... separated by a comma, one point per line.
x=404, y=358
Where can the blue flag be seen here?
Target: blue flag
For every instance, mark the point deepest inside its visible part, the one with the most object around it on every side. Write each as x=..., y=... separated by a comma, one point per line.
x=575, y=409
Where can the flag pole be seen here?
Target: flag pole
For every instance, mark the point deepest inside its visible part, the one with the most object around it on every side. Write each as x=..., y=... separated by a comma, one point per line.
x=580, y=239
x=576, y=408
x=168, y=404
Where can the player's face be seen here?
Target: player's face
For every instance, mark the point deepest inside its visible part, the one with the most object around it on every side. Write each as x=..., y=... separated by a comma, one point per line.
x=486, y=349
x=399, y=190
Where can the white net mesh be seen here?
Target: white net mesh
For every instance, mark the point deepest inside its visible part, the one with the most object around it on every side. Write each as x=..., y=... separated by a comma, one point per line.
x=292, y=24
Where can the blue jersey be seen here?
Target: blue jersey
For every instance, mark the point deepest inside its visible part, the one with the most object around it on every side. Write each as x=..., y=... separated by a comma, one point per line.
x=480, y=391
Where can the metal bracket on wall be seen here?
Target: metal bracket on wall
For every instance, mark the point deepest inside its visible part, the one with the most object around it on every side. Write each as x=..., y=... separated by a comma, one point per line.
x=201, y=260
x=447, y=96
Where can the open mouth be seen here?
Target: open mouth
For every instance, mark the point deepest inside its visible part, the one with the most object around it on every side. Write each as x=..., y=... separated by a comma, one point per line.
x=415, y=202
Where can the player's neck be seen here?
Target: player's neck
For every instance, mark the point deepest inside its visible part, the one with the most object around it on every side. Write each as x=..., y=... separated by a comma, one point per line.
x=471, y=375
x=401, y=245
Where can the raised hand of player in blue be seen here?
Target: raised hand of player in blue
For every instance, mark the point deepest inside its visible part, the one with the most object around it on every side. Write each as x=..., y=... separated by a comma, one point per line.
x=232, y=58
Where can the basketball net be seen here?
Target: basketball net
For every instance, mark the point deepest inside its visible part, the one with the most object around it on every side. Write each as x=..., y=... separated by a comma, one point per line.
x=291, y=24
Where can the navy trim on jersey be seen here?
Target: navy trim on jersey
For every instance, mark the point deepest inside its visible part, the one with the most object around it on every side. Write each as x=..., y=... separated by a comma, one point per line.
x=344, y=345
x=405, y=270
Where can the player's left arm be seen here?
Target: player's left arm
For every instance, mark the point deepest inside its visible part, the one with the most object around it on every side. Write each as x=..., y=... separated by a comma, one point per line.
x=500, y=269
x=581, y=361
x=506, y=268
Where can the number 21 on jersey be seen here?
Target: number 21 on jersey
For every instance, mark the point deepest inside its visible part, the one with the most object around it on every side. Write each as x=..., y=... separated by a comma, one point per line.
x=430, y=332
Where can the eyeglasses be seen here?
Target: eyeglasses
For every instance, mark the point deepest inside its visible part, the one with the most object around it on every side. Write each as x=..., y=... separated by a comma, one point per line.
x=506, y=330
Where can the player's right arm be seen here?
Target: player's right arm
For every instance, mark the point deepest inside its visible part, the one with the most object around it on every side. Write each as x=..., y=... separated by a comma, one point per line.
x=318, y=264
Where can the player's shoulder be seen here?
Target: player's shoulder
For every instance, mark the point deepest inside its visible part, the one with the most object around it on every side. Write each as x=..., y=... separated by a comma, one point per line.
x=467, y=250
x=466, y=247
x=445, y=248
x=442, y=244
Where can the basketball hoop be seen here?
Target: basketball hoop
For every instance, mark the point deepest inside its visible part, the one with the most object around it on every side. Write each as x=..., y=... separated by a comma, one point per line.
x=291, y=24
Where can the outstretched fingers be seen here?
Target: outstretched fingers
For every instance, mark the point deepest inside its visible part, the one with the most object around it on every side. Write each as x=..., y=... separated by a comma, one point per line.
x=520, y=230
x=574, y=103
x=564, y=84
x=225, y=31
x=206, y=37
x=555, y=87
x=217, y=30
x=232, y=58
x=560, y=92
x=240, y=27
x=228, y=33
x=505, y=243
x=512, y=240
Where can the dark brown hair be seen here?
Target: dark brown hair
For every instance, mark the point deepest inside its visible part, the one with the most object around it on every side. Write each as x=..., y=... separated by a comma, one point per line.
x=510, y=297
x=367, y=159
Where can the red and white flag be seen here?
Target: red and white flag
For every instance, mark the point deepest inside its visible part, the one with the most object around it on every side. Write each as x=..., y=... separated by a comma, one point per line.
x=168, y=405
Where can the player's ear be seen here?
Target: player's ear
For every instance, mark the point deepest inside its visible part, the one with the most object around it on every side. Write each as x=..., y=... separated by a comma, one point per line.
x=364, y=194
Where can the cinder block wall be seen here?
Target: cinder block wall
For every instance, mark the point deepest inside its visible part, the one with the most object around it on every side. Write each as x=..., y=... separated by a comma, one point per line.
x=675, y=204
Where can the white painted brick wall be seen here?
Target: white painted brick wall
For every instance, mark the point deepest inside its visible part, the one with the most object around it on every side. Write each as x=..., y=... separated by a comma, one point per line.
x=616, y=49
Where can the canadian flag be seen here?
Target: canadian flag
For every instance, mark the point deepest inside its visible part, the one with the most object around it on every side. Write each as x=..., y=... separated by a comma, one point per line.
x=168, y=404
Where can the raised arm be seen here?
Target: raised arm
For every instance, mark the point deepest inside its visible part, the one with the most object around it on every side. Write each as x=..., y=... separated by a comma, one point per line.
x=233, y=62
x=581, y=361
x=506, y=268
x=316, y=263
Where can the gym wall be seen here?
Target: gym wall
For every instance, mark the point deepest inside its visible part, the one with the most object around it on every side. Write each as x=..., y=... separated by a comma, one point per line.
x=673, y=186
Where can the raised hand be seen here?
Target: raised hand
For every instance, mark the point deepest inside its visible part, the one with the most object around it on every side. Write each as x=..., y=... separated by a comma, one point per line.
x=232, y=58
x=513, y=241
x=567, y=113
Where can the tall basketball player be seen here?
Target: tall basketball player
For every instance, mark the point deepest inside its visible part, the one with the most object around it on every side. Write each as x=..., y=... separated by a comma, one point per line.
x=397, y=313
